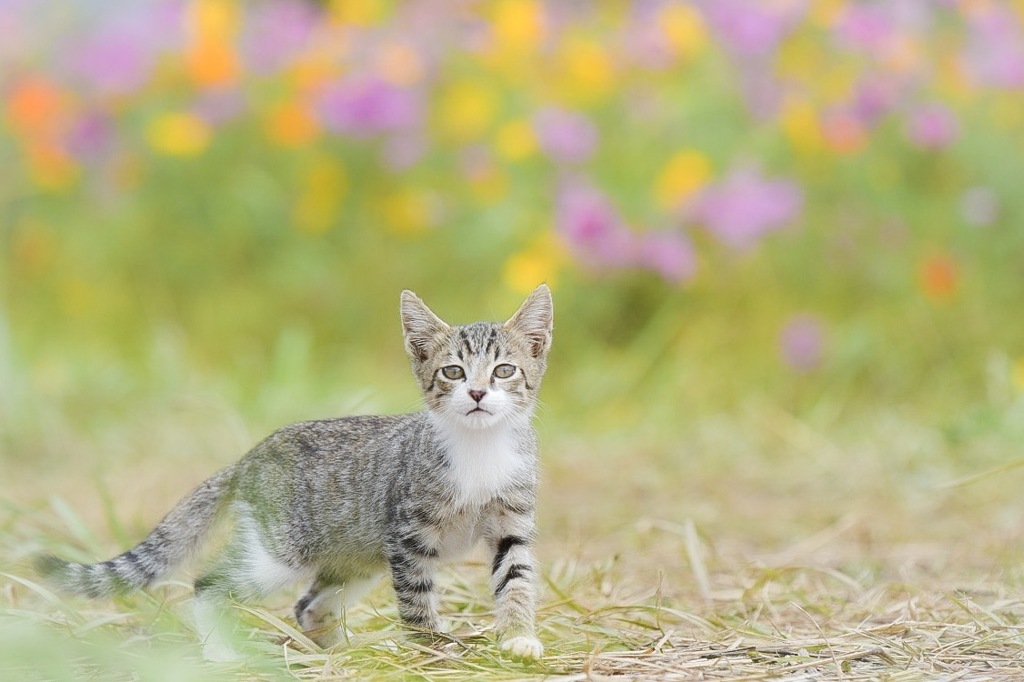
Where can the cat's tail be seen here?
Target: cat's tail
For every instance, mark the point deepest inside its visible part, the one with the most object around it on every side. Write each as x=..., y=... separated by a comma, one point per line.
x=171, y=543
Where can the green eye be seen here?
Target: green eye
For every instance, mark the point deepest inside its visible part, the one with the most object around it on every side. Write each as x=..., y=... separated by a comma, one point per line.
x=453, y=372
x=504, y=371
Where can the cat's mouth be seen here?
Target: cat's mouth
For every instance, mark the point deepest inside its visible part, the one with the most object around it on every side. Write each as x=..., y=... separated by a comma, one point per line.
x=477, y=409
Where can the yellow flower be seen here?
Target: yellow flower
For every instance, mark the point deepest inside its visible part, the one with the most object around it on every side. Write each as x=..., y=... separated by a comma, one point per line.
x=214, y=18
x=407, y=211
x=588, y=71
x=323, y=190
x=684, y=29
x=467, y=109
x=178, y=134
x=540, y=262
x=685, y=173
x=515, y=140
x=357, y=12
x=1017, y=374
x=801, y=125
x=518, y=25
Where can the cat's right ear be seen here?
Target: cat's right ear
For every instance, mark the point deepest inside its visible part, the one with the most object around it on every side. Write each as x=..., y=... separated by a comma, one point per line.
x=421, y=326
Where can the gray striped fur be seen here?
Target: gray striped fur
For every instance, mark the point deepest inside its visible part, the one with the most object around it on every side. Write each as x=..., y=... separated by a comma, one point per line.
x=338, y=503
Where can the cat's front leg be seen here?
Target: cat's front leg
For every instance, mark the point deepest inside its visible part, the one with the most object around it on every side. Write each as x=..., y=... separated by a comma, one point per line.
x=413, y=579
x=513, y=579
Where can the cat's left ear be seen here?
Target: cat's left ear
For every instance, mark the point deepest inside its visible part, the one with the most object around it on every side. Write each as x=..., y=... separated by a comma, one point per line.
x=534, y=320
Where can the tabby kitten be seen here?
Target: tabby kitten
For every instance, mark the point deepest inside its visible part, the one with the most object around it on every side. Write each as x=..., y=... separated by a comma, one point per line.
x=336, y=503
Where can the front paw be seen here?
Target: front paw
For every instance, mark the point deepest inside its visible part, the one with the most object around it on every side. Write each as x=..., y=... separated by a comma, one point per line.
x=524, y=647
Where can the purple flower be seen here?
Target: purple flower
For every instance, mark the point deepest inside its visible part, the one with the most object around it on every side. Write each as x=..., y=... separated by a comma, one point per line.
x=592, y=228
x=750, y=29
x=745, y=206
x=932, y=127
x=367, y=106
x=865, y=28
x=667, y=253
x=994, y=50
x=801, y=343
x=276, y=31
x=565, y=136
x=90, y=136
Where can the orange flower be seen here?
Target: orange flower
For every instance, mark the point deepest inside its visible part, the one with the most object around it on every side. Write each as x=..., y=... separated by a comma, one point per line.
x=939, y=277
x=36, y=107
x=291, y=124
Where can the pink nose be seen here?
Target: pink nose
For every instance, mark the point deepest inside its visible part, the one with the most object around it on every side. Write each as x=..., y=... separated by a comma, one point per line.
x=477, y=395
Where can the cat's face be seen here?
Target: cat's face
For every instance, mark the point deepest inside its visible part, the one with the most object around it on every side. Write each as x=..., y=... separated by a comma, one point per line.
x=482, y=374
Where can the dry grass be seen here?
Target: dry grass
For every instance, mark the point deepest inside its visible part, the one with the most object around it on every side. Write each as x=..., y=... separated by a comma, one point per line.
x=746, y=548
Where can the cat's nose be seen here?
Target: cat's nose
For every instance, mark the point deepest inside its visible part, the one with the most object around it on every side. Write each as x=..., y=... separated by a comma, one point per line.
x=477, y=395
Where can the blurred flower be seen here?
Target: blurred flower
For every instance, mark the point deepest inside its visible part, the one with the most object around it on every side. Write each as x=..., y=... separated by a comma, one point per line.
x=399, y=64
x=745, y=206
x=932, y=126
x=117, y=57
x=844, y=132
x=467, y=109
x=367, y=106
x=323, y=190
x=539, y=262
x=586, y=69
x=592, y=229
x=1017, y=374
x=518, y=25
x=403, y=150
x=210, y=58
x=178, y=134
x=939, y=277
x=565, y=136
x=685, y=172
x=515, y=140
x=864, y=27
x=291, y=124
x=979, y=206
x=408, y=211
x=667, y=253
x=91, y=136
x=36, y=106
x=802, y=342
x=993, y=53
x=750, y=29
x=275, y=32
x=683, y=29
x=800, y=124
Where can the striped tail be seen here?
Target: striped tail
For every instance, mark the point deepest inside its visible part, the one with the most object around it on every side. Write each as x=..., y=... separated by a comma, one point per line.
x=170, y=544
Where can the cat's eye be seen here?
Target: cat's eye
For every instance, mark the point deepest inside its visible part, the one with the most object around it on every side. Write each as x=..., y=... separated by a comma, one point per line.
x=453, y=372
x=504, y=371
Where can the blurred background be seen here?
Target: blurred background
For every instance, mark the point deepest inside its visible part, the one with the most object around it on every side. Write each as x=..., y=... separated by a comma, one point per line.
x=784, y=239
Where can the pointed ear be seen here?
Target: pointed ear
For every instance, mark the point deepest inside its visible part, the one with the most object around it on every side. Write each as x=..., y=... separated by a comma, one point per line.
x=420, y=326
x=534, y=320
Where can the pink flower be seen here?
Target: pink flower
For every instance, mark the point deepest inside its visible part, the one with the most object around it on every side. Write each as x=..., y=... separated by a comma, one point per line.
x=864, y=27
x=750, y=29
x=994, y=50
x=363, y=107
x=594, y=231
x=745, y=206
x=932, y=127
x=801, y=343
x=276, y=31
x=564, y=135
x=667, y=253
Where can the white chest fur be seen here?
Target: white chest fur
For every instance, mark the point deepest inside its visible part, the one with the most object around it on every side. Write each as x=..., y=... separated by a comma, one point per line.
x=482, y=463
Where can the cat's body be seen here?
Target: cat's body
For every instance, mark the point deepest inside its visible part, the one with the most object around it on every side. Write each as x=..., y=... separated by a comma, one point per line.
x=338, y=503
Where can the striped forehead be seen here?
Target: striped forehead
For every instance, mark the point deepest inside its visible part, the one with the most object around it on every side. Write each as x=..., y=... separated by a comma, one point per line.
x=477, y=339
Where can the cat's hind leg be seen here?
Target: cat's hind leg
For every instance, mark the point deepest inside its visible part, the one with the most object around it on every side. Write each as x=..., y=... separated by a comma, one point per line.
x=319, y=610
x=244, y=572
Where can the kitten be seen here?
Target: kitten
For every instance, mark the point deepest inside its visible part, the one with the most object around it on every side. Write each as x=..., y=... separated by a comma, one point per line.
x=339, y=502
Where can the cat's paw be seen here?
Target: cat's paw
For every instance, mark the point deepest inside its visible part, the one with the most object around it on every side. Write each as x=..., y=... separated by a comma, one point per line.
x=523, y=647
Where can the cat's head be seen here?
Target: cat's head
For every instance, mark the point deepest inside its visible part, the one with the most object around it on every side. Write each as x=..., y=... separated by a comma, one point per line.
x=483, y=374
